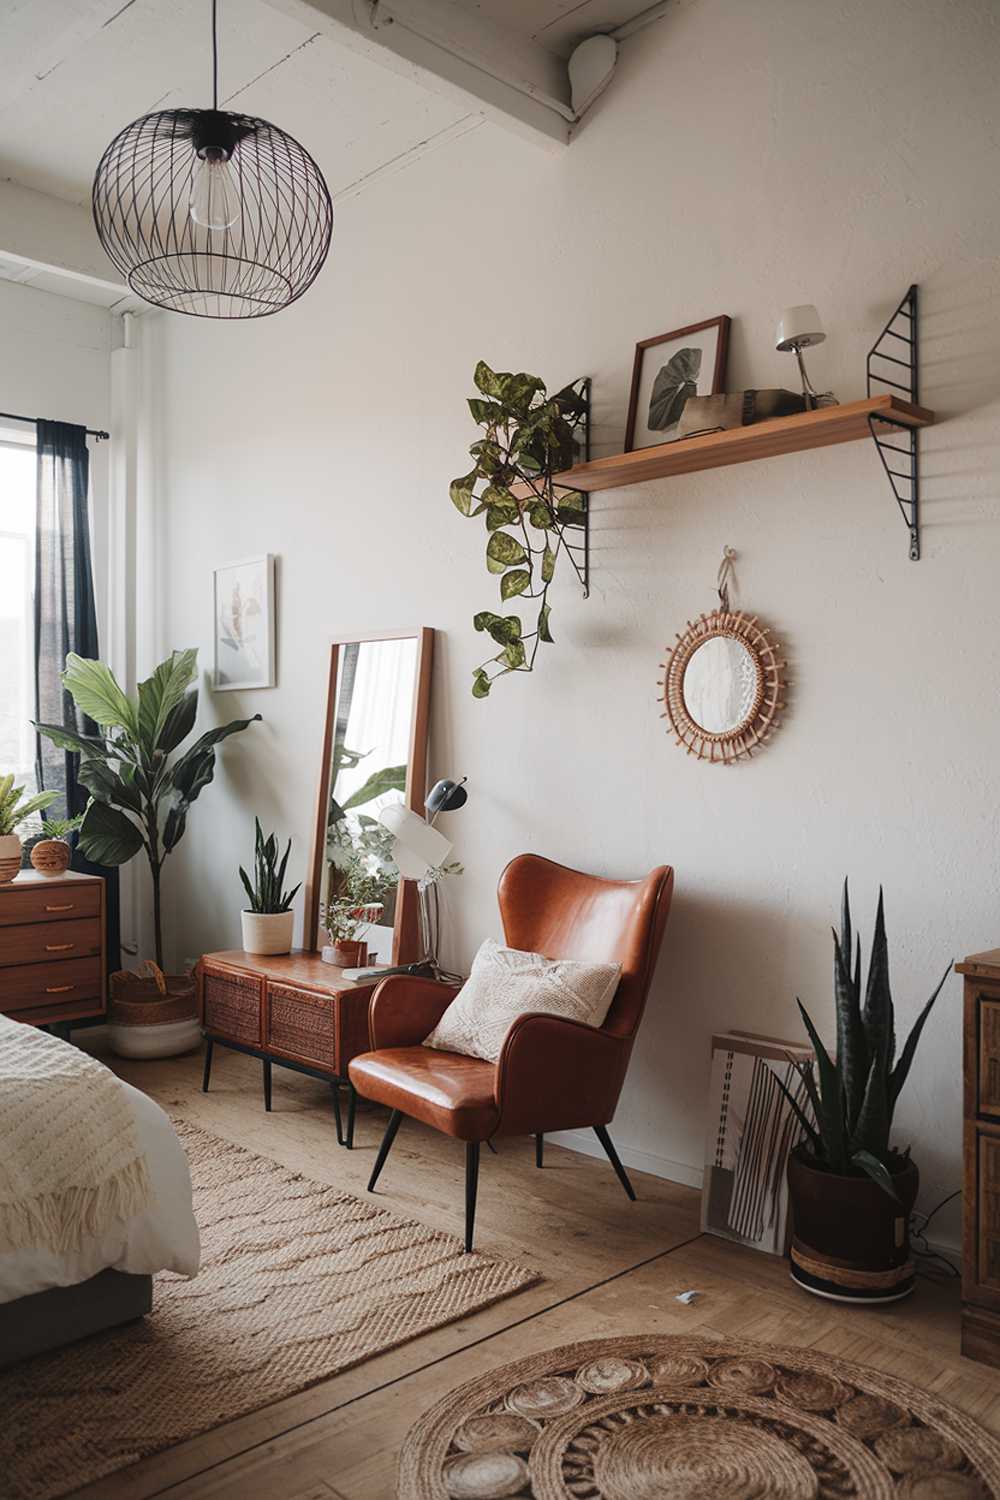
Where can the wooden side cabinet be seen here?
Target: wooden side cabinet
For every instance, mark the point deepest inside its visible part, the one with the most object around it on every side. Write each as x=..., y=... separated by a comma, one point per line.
x=981, y=1186
x=292, y=1010
x=53, y=962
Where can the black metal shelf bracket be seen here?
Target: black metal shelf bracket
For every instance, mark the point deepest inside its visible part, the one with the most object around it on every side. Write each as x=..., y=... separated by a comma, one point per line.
x=576, y=534
x=900, y=336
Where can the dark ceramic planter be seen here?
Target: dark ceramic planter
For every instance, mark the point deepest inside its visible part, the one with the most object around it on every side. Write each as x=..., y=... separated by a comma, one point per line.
x=851, y=1240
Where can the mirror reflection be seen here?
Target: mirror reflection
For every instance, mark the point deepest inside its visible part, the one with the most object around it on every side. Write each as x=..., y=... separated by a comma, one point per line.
x=721, y=682
x=370, y=748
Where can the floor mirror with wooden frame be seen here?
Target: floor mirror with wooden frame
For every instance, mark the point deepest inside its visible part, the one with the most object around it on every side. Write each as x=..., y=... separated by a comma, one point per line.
x=374, y=752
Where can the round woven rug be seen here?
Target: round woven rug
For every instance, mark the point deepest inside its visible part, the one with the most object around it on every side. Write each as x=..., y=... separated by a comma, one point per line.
x=666, y=1418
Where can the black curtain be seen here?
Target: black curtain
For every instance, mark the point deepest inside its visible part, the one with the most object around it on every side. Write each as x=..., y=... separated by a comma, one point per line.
x=65, y=621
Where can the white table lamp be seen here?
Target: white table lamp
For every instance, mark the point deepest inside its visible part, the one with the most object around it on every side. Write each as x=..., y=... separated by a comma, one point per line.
x=800, y=328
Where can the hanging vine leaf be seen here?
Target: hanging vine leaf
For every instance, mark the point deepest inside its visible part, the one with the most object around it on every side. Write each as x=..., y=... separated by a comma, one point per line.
x=480, y=684
x=543, y=624
x=548, y=565
x=541, y=515
x=517, y=581
x=504, y=514
x=504, y=551
x=460, y=491
x=514, y=655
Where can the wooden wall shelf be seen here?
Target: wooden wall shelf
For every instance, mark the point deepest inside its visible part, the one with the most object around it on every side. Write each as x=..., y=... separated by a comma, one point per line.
x=811, y=429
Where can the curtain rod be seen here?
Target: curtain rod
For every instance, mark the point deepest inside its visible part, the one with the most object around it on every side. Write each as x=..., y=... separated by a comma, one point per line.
x=102, y=437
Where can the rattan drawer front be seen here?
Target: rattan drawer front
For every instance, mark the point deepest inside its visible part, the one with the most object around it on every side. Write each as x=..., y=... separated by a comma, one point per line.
x=989, y=1056
x=231, y=1006
x=59, y=902
x=302, y=1024
x=28, y=986
x=45, y=942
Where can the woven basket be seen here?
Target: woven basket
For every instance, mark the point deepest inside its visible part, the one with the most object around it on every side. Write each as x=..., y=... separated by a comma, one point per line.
x=150, y=998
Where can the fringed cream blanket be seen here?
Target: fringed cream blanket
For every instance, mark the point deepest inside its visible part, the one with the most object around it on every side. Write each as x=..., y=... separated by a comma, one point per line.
x=70, y=1160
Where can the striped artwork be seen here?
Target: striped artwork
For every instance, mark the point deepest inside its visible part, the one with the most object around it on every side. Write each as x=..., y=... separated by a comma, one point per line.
x=751, y=1130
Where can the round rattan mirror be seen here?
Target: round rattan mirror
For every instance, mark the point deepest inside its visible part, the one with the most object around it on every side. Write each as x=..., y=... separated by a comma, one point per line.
x=722, y=686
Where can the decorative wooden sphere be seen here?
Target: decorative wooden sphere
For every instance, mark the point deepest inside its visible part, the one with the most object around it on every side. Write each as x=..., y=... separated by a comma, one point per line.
x=51, y=856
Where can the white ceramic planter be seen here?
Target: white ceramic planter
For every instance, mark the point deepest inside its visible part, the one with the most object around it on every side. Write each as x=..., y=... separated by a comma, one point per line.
x=267, y=931
x=10, y=856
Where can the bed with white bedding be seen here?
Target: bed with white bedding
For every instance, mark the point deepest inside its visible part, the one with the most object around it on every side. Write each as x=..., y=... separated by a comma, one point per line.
x=95, y=1194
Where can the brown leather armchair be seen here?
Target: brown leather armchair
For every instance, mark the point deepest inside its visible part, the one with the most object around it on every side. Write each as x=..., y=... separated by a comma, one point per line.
x=552, y=1074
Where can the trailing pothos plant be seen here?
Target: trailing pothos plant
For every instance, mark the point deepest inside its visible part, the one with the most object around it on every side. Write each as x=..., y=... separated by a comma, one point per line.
x=527, y=441
x=853, y=1098
x=139, y=799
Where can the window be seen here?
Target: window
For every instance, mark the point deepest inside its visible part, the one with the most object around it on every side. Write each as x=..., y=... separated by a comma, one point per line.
x=17, y=577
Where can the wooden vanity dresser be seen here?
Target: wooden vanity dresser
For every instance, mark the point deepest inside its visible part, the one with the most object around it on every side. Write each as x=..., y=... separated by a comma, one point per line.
x=53, y=965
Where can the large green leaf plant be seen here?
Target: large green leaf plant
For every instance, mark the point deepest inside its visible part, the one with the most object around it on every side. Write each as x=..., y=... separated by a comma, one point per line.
x=139, y=798
x=851, y=1099
x=527, y=441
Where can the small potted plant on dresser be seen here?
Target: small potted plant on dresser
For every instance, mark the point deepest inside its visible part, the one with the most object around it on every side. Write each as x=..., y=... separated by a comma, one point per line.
x=13, y=813
x=352, y=907
x=51, y=854
x=852, y=1193
x=268, y=921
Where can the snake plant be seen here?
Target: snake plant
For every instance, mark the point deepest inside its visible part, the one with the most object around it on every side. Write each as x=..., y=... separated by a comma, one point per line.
x=267, y=893
x=853, y=1098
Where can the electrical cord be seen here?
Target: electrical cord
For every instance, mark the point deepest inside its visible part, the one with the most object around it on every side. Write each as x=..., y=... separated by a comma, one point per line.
x=931, y=1264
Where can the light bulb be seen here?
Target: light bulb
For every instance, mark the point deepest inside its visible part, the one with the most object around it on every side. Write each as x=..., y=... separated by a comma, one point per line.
x=215, y=196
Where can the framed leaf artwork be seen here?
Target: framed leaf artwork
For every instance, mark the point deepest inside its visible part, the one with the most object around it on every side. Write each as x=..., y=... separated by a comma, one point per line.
x=243, y=595
x=667, y=370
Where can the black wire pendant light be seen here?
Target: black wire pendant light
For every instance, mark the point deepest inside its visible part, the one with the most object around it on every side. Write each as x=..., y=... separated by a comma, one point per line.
x=210, y=213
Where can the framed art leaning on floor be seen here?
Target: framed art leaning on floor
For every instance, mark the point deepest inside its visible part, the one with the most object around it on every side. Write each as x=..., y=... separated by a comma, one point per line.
x=751, y=1130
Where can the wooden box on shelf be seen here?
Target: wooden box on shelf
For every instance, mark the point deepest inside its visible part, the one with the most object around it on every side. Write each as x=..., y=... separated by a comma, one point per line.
x=981, y=1193
x=53, y=964
x=292, y=1009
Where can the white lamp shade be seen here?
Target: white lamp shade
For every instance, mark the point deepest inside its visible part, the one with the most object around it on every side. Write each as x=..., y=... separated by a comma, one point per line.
x=799, y=327
x=418, y=847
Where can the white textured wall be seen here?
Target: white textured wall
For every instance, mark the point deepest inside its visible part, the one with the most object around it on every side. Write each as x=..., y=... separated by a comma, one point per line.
x=746, y=157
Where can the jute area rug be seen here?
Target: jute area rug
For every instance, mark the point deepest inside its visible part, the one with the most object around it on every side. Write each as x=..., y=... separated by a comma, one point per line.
x=298, y=1281
x=667, y=1418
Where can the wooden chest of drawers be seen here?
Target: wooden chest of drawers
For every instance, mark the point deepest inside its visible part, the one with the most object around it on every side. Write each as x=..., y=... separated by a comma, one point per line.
x=52, y=957
x=981, y=1190
x=292, y=1010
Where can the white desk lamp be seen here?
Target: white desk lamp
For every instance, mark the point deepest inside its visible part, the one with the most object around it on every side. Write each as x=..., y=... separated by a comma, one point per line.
x=800, y=328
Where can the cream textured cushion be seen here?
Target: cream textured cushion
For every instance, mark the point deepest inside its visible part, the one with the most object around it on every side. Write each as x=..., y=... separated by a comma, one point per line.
x=506, y=983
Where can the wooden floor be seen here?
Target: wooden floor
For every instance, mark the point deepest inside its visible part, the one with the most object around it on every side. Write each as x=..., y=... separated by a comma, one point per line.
x=609, y=1267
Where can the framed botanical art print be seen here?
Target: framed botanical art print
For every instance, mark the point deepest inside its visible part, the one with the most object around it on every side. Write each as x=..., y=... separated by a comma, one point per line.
x=243, y=595
x=667, y=370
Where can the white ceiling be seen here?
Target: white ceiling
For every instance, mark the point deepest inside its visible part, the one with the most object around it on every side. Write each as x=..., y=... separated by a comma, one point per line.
x=74, y=72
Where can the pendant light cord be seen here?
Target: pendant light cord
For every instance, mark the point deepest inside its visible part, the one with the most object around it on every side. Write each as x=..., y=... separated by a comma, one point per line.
x=215, y=55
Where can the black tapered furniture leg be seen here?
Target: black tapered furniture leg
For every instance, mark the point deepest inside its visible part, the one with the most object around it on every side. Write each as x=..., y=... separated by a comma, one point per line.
x=539, y=1149
x=352, y=1104
x=471, y=1184
x=385, y=1148
x=335, y=1090
x=601, y=1131
x=208, y=1067
x=267, y=1083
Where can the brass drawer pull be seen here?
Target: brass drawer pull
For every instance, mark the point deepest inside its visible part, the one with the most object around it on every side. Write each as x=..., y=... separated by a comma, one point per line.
x=59, y=947
x=58, y=989
x=67, y=907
